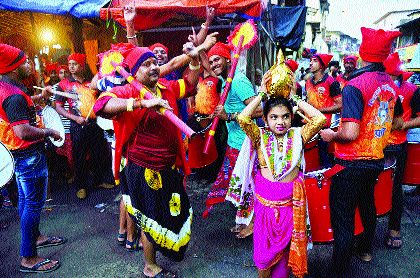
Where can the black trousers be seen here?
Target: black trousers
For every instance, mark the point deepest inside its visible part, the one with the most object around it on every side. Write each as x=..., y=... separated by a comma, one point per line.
x=352, y=187
x=90, y=139
x=399, y=152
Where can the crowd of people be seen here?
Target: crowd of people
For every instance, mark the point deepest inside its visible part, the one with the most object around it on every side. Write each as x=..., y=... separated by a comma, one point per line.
x=260, y=167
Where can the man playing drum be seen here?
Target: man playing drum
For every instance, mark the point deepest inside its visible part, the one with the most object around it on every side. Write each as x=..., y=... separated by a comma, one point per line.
x=323, y=93
x=240, y=95
x=369, y=101
x=350, y=65
x=409, y=96
x=86, y=135
x=22, y=133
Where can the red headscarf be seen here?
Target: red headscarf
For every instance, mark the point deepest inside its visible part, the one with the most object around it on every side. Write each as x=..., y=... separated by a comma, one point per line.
x=324, y=59
x=351, y=59
x=292, y=64
x=136, y=57
x=153, y=46
x=79, y=58
x=64, y=67
x=393, y=64
x=50, y=67
x=220, y=49
x=10, y=58
x=376, y=44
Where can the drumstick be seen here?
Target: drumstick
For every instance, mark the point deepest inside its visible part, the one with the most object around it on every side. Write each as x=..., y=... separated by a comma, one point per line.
x=90, y=112
x=302, y=115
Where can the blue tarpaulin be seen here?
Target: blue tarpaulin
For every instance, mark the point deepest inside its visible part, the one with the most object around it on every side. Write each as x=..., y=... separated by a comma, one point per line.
x=288, y=25
x=77, y=8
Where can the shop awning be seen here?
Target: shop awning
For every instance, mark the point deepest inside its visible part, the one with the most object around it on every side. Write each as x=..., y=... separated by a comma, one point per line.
x=153, y=13
x=77, y=8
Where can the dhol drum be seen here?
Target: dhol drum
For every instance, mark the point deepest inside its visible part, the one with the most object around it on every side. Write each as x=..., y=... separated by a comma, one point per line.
x=52, y=120
x=311, y=154
x=412, y=165
x=317, y=194
x=383, y=188
x=7, y=165
x=196, y=158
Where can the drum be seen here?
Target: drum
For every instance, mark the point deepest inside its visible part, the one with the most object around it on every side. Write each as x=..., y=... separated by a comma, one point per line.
x=52, y=120
x=383, y=188
x=317, y=194
x=7, y=165
x=412, y=165
x=196, y=158
x=311, y=154
x=105, y=124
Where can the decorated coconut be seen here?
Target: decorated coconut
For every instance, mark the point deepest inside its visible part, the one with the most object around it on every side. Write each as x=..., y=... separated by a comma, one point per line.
x=281, y=78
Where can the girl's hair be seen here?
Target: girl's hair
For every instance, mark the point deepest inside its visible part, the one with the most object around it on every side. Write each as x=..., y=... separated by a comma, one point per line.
x=276, y=101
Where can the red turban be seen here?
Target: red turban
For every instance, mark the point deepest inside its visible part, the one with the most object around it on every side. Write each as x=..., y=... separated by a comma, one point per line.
x=136, y=57
x=292, y=64
x=393, y=64
x=220, y=49
x=50, y=67
x=376, y=44
x=324, y=59
x=64, y=67
x=153, y=46
x=351, y=59
x=10, y=58
x=79, y=58
x=406, y=75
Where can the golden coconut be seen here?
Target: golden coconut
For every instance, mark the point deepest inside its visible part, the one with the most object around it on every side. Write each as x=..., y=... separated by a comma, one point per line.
x=281, y=78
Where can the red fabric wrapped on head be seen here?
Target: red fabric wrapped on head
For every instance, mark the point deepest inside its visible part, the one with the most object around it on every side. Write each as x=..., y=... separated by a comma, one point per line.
x=10, y=58
x=50, y=67
x=220, y=49
x=292, y=64
x=153, y=46
x=324, y=59
x=351, y=59
x=393, y=64
x=376, y=44
x=136, y=57
x=79, y=58
x=62, y=67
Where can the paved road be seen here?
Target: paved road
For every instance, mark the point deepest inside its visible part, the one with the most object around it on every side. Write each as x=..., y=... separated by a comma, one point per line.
x=91, y=250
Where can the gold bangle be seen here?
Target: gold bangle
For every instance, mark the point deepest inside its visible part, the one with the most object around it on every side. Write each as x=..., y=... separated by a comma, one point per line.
x=130, y=104
x=192, y=67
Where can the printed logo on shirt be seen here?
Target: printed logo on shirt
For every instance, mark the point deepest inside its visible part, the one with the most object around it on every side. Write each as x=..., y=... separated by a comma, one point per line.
x=378, y=91
x=321, y=90
x=383, y=116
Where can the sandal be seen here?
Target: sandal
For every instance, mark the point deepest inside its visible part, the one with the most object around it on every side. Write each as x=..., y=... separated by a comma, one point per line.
x=134, y=245
x=35, y=268
x=122, y=238
x=163, y=274
x=390, y=242
x=52, y=241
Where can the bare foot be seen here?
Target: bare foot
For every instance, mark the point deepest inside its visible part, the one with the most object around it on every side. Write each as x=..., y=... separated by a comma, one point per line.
x=237, y=228
x=31, y=261
x=247, y=231
x=151, y=270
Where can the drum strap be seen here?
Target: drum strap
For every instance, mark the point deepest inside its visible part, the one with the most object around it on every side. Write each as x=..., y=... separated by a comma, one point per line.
x=333, y=171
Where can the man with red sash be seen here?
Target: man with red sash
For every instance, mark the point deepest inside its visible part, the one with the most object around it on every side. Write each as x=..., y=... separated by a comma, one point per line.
x=323, y=93
x=350, y=65
x=86, y=135
x=155, y=195
x=22, y=133
x=409, y=96
x=369, y=101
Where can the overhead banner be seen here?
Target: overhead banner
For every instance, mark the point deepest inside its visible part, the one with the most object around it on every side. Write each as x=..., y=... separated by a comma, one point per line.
x=152, y=13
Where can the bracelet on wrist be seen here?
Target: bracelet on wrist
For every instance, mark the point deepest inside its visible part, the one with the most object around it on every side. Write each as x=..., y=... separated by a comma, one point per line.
x=130, y=104
x=204, y=26
x=192, y=67
x=263, y=95
x=295, y=99
x=132, y=37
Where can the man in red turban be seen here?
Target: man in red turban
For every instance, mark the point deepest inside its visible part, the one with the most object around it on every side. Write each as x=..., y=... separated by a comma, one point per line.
x=155, y=192
x=21, y=131
x=350, y=65
x=86, y=135
x=323, y=93
x=409, y=96
x=240, y=95
x=369, y=106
